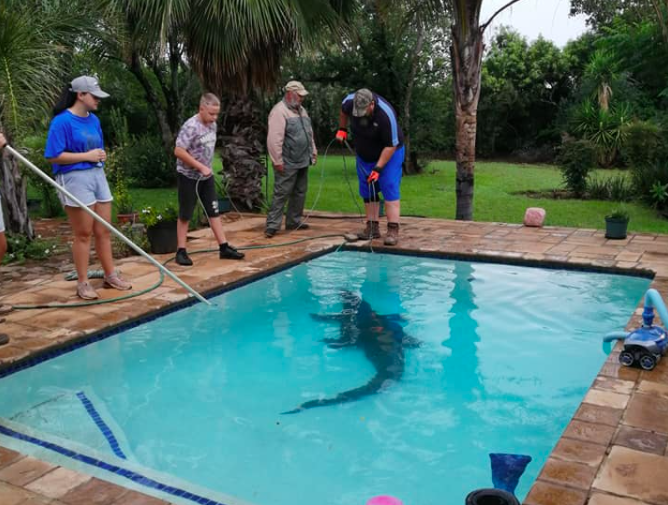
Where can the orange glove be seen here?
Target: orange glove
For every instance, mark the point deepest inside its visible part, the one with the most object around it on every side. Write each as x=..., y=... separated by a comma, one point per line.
x=341, y=135
x=373, y=176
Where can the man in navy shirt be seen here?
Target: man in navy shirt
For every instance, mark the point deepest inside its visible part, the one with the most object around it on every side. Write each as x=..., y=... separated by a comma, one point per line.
x=379, y=144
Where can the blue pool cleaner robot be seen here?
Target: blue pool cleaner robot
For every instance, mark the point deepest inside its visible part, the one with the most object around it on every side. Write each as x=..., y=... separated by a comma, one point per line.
x=645, y=345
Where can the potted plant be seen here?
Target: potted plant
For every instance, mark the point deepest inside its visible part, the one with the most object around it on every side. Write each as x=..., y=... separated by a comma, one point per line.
x=616, y=223
x=125, y=212
x=160, y=228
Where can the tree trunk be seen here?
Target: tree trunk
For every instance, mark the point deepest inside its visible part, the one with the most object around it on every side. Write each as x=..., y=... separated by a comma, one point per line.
x=242, y=136
x=168, y=137
x=14, y=197
x=661, y=13
x=466, y=67
x=411, y=166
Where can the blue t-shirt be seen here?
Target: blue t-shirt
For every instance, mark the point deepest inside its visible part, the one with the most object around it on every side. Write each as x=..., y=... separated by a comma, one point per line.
x=73, y=134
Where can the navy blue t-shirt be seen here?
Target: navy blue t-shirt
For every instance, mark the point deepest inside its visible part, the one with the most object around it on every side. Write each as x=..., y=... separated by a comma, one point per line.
x=374, y=133
x=73, y=134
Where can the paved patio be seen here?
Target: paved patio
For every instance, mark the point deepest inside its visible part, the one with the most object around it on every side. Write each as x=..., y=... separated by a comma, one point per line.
x=613, y=452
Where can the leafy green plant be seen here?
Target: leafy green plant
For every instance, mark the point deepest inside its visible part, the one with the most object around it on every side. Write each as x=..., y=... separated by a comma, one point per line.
x=136, y=233
x=19, y=248
x=146, y=164
x=617, y=188
x=643, y=143
x=575, y=159
x=648, y=182
x=50, y=204
x=659, y=195
x=606, y=129
x=122, y=197
x=152, y=216
x=620, y=213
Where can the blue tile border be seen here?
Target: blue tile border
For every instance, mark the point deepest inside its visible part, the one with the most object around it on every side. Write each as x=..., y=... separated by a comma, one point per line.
x=103, y=427
x=115, y=469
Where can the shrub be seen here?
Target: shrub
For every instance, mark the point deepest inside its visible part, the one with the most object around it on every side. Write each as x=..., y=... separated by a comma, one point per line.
x=50, y=205
x=136, y=233
x=643, y=144
x=647, y=183
x=618, y=214
x=151, y=216
x=605, y=129
x=19, y=248
x=575, y=160
x=145, y=162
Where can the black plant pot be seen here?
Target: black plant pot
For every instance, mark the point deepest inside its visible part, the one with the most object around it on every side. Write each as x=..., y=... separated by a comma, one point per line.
x=162, y=238
x=615, y=228
x=491, y=497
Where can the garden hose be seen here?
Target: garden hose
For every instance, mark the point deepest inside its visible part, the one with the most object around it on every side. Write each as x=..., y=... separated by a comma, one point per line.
x=94, y=274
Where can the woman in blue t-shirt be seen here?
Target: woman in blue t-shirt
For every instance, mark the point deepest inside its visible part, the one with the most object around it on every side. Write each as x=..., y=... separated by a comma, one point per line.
x=75, y=148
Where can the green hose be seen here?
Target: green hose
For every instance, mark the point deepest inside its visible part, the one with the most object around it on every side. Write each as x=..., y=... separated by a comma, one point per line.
x=95, y=274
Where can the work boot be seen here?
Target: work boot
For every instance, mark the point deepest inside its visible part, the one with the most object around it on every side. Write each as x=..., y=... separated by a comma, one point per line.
x=392, y=236
x=4, y=338
x=300, y=226
x=372, y=230
x=182, y=258
x=229, y=252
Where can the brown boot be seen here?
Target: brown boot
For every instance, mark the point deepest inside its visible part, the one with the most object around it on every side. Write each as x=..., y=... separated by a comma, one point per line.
x=372, y=230
x=392, y=236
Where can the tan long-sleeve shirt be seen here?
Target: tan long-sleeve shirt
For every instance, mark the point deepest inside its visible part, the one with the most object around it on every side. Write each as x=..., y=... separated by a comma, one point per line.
x=290, y=137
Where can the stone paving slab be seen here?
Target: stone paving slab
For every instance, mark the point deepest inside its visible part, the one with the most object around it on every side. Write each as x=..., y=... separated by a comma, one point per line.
x=613, y=452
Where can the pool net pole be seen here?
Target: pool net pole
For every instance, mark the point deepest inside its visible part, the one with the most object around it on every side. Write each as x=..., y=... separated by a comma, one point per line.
x=100, y=220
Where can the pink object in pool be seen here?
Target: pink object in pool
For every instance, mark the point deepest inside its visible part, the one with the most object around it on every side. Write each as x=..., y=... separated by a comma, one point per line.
x=534, y=216
x=384, y=500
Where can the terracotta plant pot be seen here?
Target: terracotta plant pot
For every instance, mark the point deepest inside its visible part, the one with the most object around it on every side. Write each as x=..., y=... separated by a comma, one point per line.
x=127, y=218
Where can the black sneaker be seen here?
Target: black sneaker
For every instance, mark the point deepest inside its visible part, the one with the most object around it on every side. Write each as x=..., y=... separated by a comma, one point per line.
x=270, y=232
x=183, y=259
x=230, y=253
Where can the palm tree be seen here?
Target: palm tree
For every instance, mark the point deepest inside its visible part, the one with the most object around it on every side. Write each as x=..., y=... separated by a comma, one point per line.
x=235, y=47
x=466, y=51
x=36, y=40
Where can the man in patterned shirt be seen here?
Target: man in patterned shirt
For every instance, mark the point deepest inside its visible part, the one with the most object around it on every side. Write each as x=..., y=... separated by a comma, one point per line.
x=195, y=146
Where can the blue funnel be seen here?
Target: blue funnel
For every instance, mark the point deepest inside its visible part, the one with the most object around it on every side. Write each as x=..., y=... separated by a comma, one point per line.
x=507, y=470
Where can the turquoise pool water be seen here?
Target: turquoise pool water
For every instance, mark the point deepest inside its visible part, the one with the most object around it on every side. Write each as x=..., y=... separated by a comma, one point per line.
x=506, y=354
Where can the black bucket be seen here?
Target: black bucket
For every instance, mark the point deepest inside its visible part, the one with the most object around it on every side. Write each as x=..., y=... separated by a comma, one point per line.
x=491, y=497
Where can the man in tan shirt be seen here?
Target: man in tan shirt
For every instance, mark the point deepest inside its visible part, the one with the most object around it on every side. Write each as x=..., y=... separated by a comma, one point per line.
x=292, y=150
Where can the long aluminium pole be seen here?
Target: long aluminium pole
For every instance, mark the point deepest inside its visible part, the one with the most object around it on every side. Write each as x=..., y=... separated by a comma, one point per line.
x=100, y=220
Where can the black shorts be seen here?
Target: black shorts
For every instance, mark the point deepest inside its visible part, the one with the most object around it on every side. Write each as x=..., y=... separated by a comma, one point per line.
x=187, y=189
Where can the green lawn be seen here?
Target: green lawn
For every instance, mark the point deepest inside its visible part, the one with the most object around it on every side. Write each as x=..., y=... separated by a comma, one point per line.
x=432, y=194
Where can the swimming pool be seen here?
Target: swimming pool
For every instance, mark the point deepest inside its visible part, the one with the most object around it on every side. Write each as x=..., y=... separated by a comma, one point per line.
x=196, y=397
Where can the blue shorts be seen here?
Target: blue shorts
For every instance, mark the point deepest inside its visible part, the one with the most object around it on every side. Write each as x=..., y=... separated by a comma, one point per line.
x=389, y=181
x=89, y=185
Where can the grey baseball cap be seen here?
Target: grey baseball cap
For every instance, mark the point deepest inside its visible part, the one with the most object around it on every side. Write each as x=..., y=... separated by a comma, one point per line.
x=87, y=84
x=361, y=101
